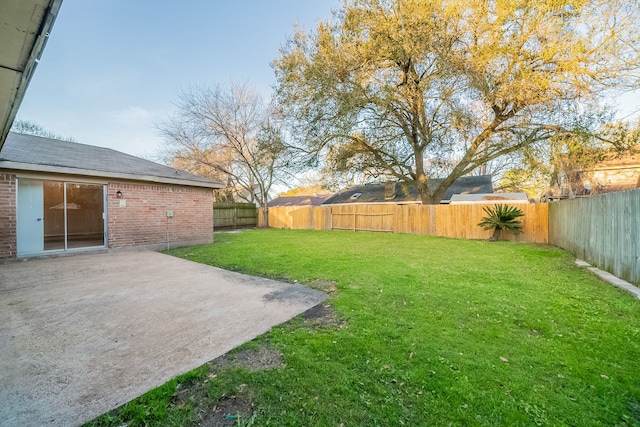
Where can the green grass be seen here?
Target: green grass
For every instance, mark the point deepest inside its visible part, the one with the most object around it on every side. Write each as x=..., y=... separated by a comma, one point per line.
x=436, y=332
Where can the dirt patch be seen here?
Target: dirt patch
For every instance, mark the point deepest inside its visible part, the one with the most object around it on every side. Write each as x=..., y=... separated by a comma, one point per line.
x=323, y=315
x=190, y=391
x=234, y=410
x=251, y=359
x=327, y=286
x=238, y=408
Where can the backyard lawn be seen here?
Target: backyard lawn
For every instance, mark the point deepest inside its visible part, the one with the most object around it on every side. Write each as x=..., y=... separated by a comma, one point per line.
x=417, y=331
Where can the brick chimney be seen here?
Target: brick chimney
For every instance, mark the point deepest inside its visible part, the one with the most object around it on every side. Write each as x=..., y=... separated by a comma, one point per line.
x=389, y=190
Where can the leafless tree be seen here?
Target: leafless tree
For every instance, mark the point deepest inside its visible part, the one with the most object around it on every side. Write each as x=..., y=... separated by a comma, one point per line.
x=230, y=134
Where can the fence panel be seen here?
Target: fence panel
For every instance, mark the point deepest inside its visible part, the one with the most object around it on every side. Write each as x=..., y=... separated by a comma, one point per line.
x=321, y=217
x=343, y=218
x=363, y=217
x=371, y=217
x=301, y=218
x=603, y=230
x=234, y=215
x=459, y=221
x=415, y=219
x=294, y=217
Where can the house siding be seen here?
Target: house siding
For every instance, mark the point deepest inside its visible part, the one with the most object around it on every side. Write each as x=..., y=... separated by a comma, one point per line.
x=142, y=220
x=142, y=223
x=8, y=236
x=608, y=180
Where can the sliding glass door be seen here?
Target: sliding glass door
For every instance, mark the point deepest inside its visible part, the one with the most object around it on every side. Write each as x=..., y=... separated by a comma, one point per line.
x=54, y=216
x=71, y=216
x=85, y=215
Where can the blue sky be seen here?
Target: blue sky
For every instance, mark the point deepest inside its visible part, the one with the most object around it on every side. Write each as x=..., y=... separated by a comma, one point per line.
x=113, y=68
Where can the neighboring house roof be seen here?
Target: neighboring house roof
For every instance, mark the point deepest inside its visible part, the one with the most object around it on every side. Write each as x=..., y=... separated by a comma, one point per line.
x=400, y=193
x=315, y=200
x=481, y=198
x=35, y=153
x=24, y=29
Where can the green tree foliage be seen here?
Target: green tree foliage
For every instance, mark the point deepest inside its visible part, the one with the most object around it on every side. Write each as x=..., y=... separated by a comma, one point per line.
x=501, y=217
x=523, y=180
x=419, y=89
x=306, y=190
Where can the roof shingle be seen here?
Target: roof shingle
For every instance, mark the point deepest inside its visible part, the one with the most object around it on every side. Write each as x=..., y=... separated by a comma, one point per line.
x=315, y=200
x=375, y=193
x=52, y=155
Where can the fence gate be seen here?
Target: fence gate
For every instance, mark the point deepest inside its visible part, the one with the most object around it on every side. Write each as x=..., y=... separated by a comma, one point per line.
x=234, y=215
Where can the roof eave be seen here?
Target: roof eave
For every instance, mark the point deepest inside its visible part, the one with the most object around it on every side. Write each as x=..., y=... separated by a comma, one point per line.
x=24, y=75
x=101, y=174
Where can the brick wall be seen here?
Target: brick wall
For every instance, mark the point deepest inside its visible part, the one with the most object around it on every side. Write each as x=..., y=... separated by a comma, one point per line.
x=142, y=220
x=8, y=240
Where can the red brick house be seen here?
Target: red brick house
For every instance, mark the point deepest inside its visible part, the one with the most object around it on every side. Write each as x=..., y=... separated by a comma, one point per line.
x=59, y=196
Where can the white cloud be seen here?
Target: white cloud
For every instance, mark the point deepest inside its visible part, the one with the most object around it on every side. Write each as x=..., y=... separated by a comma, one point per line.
x=131, y=115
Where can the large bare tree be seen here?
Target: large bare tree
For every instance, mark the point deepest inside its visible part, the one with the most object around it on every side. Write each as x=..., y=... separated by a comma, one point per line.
x=419, y=89
x=230, y=134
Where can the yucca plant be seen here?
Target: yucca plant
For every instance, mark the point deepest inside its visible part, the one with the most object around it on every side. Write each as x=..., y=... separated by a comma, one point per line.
x=500, y=217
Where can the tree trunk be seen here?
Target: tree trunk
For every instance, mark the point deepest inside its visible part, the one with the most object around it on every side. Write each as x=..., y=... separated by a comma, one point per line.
x=428, y=198
x=497, y=233
x=265, y=216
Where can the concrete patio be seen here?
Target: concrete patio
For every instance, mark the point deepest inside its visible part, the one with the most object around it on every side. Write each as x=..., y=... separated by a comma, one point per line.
x=83, y=334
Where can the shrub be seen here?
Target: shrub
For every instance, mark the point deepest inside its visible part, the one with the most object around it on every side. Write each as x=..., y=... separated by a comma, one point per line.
x=500, y=217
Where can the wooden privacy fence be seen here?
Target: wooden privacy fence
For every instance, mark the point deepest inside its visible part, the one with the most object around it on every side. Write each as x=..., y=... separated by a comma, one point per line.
x=234, y=215
x=459, y=221
x=603, y=230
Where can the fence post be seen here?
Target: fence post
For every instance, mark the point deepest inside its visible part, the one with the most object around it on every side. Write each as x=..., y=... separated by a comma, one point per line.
x=330, y=218
x=354, y=218
x=395, y=219
x=235, y=218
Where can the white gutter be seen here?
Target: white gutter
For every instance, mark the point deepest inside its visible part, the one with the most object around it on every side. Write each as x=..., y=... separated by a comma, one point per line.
x=115, y=175
x=35, y=52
